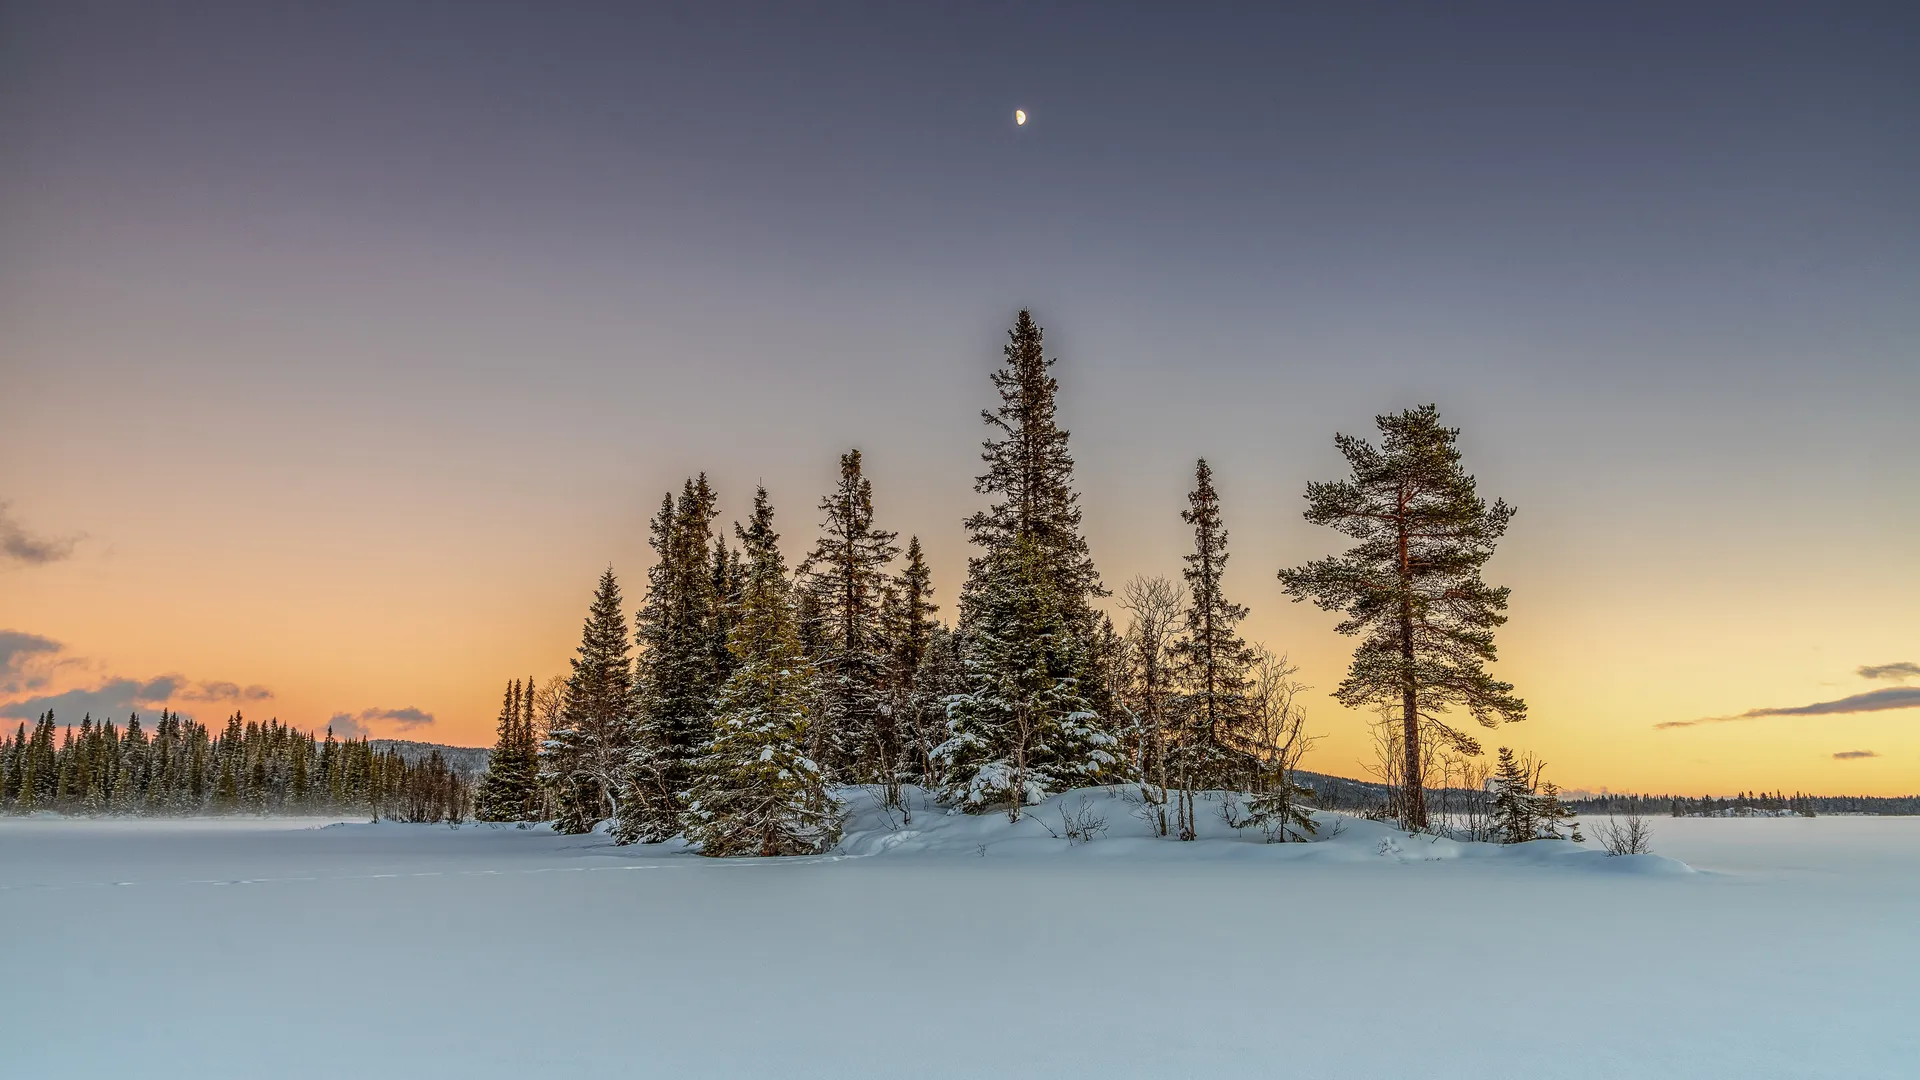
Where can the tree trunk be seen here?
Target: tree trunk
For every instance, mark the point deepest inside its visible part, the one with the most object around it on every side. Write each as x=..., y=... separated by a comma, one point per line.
x=1413, y=795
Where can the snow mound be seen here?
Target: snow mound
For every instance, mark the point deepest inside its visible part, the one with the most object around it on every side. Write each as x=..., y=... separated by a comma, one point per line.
x=1113, y=823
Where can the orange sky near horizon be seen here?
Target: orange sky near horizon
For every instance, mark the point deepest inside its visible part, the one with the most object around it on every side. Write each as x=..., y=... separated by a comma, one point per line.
x=313, y=591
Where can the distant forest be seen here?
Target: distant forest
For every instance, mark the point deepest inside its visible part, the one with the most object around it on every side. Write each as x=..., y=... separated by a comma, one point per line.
x=182, y=768
x=1747, y=804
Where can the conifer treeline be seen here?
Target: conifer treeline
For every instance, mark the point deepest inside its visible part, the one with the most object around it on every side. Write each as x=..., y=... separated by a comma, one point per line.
x=1747, y=803
x=744, y=692
x=183, y=768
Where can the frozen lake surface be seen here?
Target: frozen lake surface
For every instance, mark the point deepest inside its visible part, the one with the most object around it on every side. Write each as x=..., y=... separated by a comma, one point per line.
x=956, y=947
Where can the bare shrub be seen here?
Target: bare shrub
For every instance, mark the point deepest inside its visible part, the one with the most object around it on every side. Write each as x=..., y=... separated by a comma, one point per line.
x=1626, y=834
x=1465, y=806
x=1083, y=825
x=1277, y=741
x=1154, y=603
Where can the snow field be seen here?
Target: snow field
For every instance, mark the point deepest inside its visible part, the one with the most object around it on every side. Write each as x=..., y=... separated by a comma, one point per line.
x=257, y=948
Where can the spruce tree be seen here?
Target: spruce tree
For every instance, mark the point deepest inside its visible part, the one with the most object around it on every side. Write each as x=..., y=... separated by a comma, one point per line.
x=846, y=575
x=527, y=749
x=1030, y=475
x=910, y=624
x=585, y=757
x=1525, y=808
x=910, y=630
x=227, y=754
x=757, y=791
x=1017, y=733
x=1411, y=587
x=26, y=794
x=1211, y=659
x=678, y=665
x=1513, y=802
x=506, y=790
x=940, y=677
x=1023, y=729
x=727, y=596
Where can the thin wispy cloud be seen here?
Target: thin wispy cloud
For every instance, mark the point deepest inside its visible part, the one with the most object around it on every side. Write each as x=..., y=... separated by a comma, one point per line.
x=19, y=545
x=356, y=725
x=1898, y=672
x=1886, y=698
x=1854, y=755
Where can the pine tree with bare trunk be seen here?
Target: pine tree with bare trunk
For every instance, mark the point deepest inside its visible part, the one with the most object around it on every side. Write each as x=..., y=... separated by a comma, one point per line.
x=1411, y=587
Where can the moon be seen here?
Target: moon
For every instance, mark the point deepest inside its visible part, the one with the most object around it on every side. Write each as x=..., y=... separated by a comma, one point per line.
x=1019, y=117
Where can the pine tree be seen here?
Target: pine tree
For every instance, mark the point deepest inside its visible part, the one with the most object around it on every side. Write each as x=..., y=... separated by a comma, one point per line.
x=847, y=578
x=1411, y=586
x=586, y=753
x=1019, y=732
x=756, y=791
x=1211, y=659
x=678, y=665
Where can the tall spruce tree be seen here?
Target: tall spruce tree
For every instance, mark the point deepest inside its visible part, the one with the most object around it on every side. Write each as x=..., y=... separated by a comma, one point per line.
x=846, y=576
x=1027, y=601
x=1030, y=475
x=585, y=756
x=1411, y=587
x=1211, y=658
x=757, y=791
x=679, y=664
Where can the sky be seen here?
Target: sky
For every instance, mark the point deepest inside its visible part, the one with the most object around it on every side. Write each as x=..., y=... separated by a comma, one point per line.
x=343, y=345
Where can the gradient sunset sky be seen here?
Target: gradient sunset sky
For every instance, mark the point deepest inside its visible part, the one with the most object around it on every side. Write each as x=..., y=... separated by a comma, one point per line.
x=343, y=345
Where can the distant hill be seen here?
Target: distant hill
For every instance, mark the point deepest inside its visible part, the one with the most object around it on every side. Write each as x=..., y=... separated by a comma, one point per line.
x=466, y=759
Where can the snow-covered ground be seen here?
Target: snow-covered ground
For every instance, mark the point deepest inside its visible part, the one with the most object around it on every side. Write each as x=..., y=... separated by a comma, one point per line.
x=956, y=947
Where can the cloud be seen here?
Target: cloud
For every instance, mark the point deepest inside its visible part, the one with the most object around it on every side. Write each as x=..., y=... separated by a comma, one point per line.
x=117, y=696
x=18, y=545
x=1888, y=697
x=17, y=647
x=355, y=725
x=224, y=691
x=1853, y=755
x=1905, y=669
